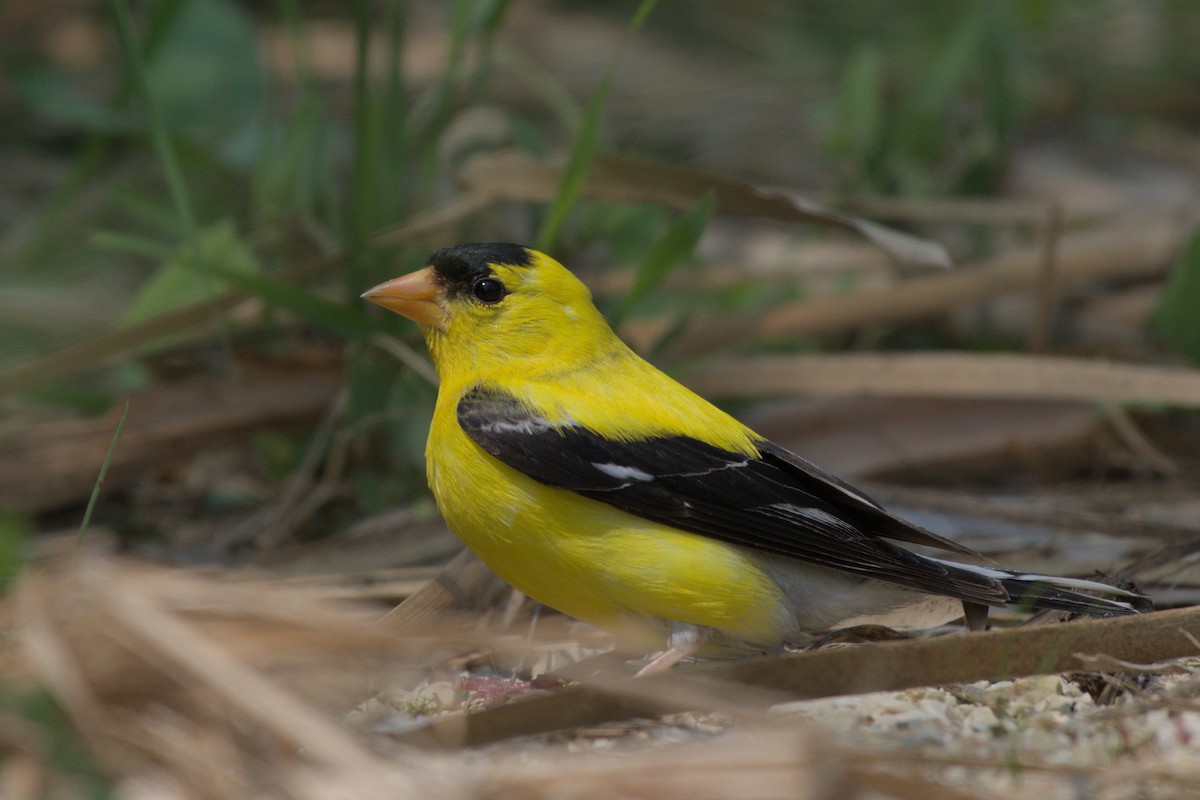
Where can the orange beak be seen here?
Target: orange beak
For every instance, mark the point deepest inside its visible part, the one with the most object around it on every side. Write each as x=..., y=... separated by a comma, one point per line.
x=415, y=295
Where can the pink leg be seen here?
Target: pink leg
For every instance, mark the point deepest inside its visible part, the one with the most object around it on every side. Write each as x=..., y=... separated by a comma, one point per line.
x=683, y=643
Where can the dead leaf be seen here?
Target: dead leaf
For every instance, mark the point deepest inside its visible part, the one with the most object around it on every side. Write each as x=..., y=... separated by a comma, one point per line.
x=619, y=179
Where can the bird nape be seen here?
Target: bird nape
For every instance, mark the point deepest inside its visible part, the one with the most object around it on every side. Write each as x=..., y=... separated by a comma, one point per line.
x=600, y=486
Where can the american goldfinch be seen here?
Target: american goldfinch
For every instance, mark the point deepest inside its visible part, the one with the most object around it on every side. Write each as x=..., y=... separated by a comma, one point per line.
x=598, y=485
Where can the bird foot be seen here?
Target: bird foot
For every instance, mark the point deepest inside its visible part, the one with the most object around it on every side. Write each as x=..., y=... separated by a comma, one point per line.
x=684, y=642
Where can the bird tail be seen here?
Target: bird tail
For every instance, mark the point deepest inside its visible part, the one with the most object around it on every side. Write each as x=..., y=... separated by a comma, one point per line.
x=1048, y=592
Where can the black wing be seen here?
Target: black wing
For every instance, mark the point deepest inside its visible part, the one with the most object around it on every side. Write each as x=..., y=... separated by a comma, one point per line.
x=778, y=503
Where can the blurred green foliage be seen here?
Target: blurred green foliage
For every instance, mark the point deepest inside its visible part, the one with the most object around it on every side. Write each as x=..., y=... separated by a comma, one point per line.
x=675, y=245
x=72, y=770
x=1177, y=318
x=194, y=170
x=179, y=281
x=14, y=532
x=585, y=145
x=945, y=128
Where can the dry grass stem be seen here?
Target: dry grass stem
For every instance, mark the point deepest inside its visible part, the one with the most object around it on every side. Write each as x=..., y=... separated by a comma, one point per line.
x=949, y=374
x=1047, y=287
x=1125, y=248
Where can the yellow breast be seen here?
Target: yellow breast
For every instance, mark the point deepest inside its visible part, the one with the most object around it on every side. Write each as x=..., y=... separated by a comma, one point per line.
x=590, y=560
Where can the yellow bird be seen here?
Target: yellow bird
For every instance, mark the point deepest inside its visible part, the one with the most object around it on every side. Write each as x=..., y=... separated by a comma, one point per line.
x=598, y=485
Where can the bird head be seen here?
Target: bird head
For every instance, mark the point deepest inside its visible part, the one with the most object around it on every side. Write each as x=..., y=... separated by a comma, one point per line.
x=485, y=307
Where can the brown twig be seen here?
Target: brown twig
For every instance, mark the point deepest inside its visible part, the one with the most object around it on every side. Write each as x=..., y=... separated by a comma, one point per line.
x=1130, y=247
x=1047, y=286
x=948, y=374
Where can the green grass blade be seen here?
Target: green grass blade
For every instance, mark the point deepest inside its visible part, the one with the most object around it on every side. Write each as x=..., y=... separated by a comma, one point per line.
x=433, y=113
x=91, y=506
x=332, y=317
x=586, y=143
x=1175, y=318
x=394, y=115
x=675, y=245
x=362, y=183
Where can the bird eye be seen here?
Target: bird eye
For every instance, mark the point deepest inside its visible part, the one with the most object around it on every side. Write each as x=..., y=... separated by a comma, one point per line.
x=489, y=290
